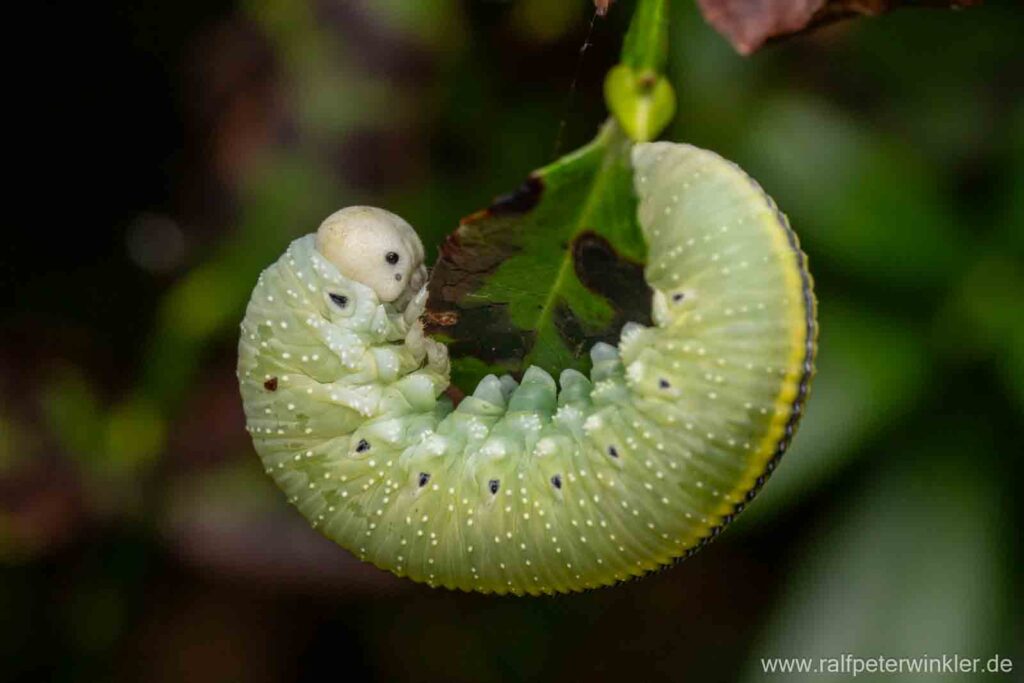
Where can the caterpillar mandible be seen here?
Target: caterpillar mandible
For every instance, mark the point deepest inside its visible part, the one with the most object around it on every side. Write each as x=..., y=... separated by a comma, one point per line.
x=535, y=487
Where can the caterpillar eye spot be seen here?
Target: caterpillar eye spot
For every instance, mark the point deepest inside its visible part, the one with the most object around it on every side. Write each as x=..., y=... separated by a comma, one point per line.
x=677, y=297
x=493, y=486
x=663, y=384
x=340, y=300
x=270, y=384
x=423, y=479
x=363, y=446
x=392, y=258
x=612, y=451
x=556, y=481
x=398, y=277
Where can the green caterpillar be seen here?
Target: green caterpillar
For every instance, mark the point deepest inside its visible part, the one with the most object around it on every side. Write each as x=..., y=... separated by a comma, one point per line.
x=533, y=487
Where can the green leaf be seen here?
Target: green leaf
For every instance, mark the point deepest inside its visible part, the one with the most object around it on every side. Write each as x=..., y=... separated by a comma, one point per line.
x=545, y=272
x=646, y=45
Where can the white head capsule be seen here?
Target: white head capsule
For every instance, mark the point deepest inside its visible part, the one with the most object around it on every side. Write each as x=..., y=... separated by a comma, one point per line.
x=374, y=247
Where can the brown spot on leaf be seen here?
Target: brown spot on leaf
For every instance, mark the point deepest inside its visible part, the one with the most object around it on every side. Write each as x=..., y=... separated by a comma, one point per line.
x=270, y=384
x=481, y=243
x=604, y=271
x=521, y=200
x=487, y=333
x=571, y=331
x=474, y=217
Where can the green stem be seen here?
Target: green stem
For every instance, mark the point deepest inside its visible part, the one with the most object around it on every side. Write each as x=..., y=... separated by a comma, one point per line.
x=646, y=44
x=637, y=93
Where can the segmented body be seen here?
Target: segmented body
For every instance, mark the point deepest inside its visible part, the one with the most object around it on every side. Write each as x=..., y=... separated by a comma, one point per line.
x=532, y=487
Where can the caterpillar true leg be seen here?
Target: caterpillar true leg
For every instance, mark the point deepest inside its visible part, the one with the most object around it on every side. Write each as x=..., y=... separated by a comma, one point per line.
x=535, y=487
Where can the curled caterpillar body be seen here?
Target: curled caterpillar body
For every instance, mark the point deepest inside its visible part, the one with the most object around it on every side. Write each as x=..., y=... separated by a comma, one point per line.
x=536, y=486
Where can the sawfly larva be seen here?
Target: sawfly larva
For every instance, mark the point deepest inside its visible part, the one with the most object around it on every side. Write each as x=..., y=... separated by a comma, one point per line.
x=534, y=486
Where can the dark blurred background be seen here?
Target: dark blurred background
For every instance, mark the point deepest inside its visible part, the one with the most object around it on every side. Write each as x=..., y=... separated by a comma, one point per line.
x=179, y=146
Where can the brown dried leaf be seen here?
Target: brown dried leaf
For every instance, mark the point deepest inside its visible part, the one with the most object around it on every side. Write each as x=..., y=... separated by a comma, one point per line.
x=748, y=24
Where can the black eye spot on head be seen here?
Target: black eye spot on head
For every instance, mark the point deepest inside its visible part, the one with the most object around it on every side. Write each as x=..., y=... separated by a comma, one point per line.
x=493, y=486
x=556, y=481
x=663, y=384
x=613, y=452
x=340, y=300
x=424, y=478
x=363, y=446
x=391, y=257
x=398, y=276
x=678, y=297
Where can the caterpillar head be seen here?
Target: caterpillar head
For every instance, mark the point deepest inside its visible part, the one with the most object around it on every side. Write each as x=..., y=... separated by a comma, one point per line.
x=376, y=248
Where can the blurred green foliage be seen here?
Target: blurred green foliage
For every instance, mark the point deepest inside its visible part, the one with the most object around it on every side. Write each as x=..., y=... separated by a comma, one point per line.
x=139, y=540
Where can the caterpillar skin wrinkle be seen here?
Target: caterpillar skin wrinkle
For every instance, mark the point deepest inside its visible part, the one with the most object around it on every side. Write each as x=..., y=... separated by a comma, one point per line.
x=535, y=487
